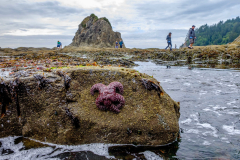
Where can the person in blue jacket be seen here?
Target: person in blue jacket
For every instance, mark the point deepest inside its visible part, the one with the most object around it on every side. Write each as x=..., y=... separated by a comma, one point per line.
x=169, y=41
x=121, y=43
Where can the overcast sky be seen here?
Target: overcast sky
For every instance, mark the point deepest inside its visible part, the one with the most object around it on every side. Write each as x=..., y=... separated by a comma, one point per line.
x=143, y=24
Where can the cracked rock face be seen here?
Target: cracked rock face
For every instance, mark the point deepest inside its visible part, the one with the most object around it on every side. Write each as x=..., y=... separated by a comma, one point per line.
x=63, y=115
x=95, y=33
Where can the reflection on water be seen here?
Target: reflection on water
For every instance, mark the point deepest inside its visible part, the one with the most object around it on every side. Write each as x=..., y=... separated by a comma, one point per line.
x=209, y=122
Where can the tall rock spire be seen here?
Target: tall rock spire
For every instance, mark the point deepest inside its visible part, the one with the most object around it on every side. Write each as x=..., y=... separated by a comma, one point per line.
x=95, y=32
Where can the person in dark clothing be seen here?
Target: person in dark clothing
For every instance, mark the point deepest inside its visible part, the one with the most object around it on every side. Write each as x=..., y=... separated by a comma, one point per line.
x=191, y=36
x=169, y=41
x=121, y=43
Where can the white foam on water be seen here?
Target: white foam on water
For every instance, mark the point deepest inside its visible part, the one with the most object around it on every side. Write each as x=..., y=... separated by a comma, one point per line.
x=230, y=103
x=194, y=71
x=46, y=152
x=219, y=83
x=231, y=130
x=207, y=109
x=166, y=80
x=203, y=92
x=194, y=131
x=217, y=92
x=217, y=107
x=233, y=113
x=194, y=116
x=151, y=156
x=224, y=139
x=96, y=148
x=187, y=121
x=236, y=107
x=208, y=126
x=206, y=143
x=187, y=84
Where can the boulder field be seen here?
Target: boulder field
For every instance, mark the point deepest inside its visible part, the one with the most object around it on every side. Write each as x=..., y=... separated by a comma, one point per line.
x=59, y=110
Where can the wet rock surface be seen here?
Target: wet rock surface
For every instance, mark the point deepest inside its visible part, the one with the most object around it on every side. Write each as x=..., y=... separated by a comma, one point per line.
x=63, y=115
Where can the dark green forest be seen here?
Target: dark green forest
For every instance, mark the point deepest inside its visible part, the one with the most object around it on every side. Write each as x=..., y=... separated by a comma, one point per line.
x=217, y=34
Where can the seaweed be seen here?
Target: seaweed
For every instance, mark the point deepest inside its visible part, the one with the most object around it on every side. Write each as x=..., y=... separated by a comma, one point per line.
x=8, y=93
x=150, y=85
x=4, y=97
x=67, y=79
x=14, y=90
x=42, y=81
x=75, y=120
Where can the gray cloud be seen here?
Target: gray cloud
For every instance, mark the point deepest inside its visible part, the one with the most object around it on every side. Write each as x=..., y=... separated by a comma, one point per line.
x=44, y=9
x=34, y=41
x=188, y=10
x=148, y=26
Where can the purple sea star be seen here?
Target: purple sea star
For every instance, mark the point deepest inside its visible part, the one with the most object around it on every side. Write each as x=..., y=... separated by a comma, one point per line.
x=108, y=99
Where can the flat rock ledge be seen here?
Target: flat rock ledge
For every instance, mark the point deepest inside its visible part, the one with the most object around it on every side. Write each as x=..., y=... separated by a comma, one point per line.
x=69, y=116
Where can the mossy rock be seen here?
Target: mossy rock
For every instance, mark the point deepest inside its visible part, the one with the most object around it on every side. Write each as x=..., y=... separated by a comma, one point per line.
x=105, y=19
x=93, y=16
x=83, y=23
x=146, y=118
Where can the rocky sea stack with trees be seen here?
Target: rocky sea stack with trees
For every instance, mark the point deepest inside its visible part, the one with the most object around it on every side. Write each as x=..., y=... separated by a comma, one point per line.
x=95, y=32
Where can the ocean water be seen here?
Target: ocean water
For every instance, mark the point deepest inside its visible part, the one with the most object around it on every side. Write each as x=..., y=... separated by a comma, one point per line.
x=209, y=122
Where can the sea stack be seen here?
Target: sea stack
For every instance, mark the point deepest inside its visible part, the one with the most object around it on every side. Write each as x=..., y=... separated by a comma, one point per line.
x=95, y=32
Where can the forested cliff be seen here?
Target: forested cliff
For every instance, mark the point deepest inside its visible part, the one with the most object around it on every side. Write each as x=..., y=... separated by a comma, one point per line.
x=217, y=34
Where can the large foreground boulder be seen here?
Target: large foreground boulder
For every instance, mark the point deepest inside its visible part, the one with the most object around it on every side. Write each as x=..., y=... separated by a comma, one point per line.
x=95, y=32
x=50, y=110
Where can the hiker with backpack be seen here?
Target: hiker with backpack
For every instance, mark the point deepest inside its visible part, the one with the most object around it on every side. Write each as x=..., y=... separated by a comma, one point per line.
x=169, y=41
x=191, y=36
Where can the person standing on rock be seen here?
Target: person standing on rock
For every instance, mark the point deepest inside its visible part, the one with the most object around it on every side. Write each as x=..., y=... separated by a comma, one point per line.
x=59, y=45
x=116, y=46
x=121, y=43
x=192, y=37
x=169, y=41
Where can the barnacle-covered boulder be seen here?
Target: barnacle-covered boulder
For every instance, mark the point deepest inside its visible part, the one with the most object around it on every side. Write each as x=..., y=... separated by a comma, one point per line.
x=69, y=115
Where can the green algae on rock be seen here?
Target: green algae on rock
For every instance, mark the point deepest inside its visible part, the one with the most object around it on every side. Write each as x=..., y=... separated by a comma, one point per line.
x=156, y=118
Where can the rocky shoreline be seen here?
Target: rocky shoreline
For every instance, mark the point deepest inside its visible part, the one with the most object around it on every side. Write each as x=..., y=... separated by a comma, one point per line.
x=223, y=57
x=39, y=101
